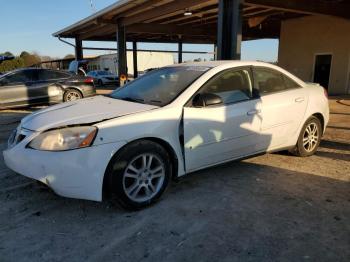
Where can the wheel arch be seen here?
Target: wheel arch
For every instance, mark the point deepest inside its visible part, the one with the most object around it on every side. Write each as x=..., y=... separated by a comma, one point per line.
x=320, y=117
x=65, y=90
x=166, y=145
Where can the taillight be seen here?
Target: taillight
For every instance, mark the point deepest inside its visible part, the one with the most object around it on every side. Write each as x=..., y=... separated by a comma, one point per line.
x=89, y=80
x=325, y=92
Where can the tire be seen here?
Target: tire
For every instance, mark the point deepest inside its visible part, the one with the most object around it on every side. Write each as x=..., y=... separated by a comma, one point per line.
x=139, y=174
x=72, y=95
x=99, y=82
x=309, y=138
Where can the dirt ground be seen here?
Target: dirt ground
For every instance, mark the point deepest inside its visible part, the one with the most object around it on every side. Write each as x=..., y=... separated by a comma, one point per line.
x=275, y=207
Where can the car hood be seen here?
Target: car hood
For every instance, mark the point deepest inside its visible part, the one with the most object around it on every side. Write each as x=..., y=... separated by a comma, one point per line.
x=85, y=111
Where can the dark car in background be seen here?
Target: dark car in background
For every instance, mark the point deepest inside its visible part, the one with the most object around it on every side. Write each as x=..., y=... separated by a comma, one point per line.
x=34, y=86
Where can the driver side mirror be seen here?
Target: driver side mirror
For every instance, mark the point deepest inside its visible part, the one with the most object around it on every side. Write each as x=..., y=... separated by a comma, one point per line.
x=206, y=99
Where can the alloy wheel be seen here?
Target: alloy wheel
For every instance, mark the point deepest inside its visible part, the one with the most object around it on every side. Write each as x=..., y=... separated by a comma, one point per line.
x=310, y=137
x=72, y=96
x=143, y=177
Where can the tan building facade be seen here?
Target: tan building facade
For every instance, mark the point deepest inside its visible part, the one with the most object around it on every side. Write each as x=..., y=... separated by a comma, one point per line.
x=317, y=49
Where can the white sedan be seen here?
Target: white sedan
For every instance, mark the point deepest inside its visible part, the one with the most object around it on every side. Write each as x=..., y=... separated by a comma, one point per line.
x=170, y=122
x=103, y=77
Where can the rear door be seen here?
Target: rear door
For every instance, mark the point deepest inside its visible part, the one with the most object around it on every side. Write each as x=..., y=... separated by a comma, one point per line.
x=218, y=133
x=48, y=85
x=283, y=105
x=14, y=88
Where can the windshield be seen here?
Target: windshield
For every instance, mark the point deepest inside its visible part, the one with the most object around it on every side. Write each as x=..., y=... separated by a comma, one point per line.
x=160, y=87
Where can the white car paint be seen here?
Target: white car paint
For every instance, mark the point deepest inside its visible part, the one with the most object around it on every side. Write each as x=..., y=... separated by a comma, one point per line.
x=212, y=135
x=105, y=77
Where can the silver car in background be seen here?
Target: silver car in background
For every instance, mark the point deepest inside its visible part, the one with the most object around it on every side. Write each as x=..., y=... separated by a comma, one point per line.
x=34, y=86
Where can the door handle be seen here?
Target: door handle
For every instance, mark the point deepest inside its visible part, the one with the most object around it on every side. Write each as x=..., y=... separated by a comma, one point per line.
x=299, y=99
x=253, y=112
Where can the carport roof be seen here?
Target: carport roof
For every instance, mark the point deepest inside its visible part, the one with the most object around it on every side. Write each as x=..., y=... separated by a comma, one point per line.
x=164, y=20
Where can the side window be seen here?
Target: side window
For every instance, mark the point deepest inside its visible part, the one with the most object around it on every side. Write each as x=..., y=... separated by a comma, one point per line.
x=290, y=84
x=18, y=78
x=61, y=75
x=268, y=81
x=231, y=85
x=49, y=75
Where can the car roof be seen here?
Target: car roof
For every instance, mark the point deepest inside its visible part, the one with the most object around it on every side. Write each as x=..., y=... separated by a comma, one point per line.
x=32, y=68
x=233, y=63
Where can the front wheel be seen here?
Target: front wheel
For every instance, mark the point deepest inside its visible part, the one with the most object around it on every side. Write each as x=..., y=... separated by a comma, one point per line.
x=309, y=138
x=140, y=174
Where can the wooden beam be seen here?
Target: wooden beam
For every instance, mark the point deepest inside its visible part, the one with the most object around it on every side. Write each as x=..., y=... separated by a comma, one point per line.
x=260, y=12
x=202, y=20
x=310, y=7
x=162, y=10
x=195, y=13
x=98, y=30
x=169, y=29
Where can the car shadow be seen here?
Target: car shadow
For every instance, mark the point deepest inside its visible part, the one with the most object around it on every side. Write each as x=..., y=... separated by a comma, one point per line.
x=333, y=155
x=335, y=145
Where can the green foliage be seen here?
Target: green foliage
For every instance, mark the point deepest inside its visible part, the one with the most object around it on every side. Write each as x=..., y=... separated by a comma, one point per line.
x=7, y=53
x=23, y=54
x=11, y=64
x=31, y=59
x=24, y=60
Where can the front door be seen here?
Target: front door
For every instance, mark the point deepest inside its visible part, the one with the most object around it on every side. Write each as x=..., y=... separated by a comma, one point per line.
x=218, y=133
x=322, y=70
x=14, y=89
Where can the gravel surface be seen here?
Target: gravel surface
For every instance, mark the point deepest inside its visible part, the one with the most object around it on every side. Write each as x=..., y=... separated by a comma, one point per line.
x=275, y=207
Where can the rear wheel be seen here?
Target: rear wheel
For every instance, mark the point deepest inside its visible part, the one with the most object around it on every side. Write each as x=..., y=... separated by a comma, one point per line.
x=72, y=95
x=140, y=174
x=309, y=138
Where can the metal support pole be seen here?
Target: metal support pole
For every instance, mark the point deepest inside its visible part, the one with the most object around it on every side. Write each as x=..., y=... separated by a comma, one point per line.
x=78, y=49
x=215, y=52
x=134, y=56
x=229, y=36
x=180, y=52
x=121, y=43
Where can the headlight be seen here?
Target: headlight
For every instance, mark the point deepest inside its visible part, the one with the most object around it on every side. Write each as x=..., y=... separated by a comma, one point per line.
x=64, y=139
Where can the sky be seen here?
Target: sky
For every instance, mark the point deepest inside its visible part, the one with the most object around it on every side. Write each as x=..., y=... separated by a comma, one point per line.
x=29, y=24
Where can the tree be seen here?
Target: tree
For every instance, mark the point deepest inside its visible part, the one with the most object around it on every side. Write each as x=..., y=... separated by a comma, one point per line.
x=24, y=54
x=69, y=56
x=7, y=53
x=30, y=59
x=11, y=64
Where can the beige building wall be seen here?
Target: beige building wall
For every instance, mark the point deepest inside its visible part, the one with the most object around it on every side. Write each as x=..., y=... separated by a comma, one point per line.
x=302, y=38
